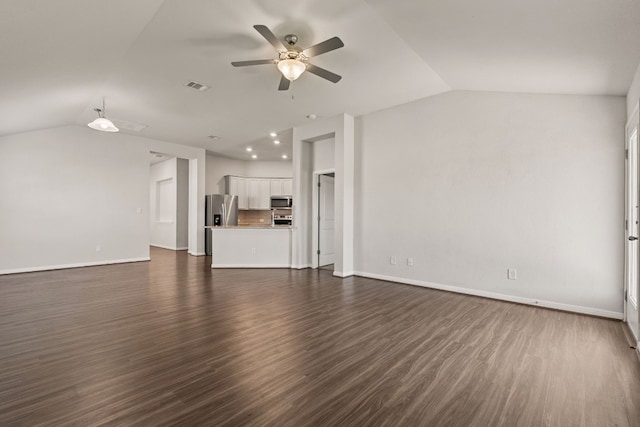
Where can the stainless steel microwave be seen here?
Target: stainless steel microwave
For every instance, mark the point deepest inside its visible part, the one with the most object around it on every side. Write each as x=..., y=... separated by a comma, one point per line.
x=279, y=202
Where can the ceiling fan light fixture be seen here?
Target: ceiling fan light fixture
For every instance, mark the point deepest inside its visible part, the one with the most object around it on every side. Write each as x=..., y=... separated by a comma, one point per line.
x=101, y=123
x=291, y=68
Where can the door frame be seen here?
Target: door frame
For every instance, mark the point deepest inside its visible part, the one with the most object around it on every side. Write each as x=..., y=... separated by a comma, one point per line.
x=631, y=125
x=315, y=207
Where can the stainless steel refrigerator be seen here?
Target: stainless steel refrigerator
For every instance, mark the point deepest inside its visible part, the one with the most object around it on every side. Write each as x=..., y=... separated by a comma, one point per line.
x=220, y=210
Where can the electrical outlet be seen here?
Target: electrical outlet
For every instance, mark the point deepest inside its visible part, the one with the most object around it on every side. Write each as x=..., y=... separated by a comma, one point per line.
x=410, y=262
x=393, y=260
x=139, y=210
x=512, y=273
x=253, y=251
x=98, y=248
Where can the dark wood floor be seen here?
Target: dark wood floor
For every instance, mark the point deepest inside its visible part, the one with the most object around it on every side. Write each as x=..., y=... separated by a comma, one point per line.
x=172, y=342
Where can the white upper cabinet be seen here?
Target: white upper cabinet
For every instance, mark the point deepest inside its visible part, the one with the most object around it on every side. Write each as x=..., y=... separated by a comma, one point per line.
x=237, y=185
x=281, y=186
x=259, y=193
x=255, y=193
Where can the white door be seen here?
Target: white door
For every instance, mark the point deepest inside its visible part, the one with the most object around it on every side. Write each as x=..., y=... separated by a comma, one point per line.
x=326, y=221
x=633, y=229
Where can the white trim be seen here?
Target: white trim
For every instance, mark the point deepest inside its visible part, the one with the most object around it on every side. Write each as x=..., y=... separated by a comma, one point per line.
x=521, y=300
x=250, y=266
x=343, y=274
x=168, y=247
x=314, y=209
x=77, y=265
x=197, y=253
x=301, y=266
x=633, y=333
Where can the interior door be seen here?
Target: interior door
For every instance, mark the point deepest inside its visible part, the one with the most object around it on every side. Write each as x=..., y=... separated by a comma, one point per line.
x=326, y=220
x=632, y=228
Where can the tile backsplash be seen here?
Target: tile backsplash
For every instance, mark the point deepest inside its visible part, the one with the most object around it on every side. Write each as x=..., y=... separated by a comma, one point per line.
x=262, y=217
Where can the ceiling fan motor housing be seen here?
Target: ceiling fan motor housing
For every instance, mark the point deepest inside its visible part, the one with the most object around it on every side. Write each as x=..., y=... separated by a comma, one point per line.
x=291, y=39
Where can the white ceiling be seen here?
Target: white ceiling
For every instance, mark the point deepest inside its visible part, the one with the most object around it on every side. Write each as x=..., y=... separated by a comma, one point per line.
x=59, y=59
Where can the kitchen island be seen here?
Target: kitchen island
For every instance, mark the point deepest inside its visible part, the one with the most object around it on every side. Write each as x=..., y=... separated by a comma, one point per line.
x=251, y=247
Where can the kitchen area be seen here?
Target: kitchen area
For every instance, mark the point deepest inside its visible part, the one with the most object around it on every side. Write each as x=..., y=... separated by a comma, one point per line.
x=249, y=225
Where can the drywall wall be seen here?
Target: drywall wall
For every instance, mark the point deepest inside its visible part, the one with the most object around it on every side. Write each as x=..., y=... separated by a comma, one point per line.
x=168, y=204
x=182, y=200
x=218, y=167
x=323, y=154
x=634, y=93
x=340, y=129
x=274, y=169
x=163, y=204
x=72, y=196
x=197, y=179
x=469, y=184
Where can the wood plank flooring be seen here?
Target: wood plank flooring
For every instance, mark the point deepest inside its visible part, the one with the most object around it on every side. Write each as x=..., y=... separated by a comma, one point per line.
x=171, y=342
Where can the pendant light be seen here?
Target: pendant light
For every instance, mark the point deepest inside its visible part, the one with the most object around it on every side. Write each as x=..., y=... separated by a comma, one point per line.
x=101, y=123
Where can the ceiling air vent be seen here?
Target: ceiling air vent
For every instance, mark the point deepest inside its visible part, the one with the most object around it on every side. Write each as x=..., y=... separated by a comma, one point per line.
x=197, y=86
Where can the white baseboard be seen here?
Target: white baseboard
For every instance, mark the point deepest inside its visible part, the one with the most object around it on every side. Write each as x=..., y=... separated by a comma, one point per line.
x=343, y=274
x=521, y=300
x=77, y=265
x=197, y=253
x=301, y=266
x=167, y=247
x=634, y=336
x=250, y=266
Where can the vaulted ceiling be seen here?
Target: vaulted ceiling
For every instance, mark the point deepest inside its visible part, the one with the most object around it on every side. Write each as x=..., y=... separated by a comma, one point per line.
x=59, y=58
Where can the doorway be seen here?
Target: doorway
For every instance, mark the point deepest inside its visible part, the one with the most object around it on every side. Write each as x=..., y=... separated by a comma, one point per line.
x=632, y=226
x=324, y=221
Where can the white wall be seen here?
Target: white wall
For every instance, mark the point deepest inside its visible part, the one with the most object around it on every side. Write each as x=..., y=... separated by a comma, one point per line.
x=169, y=208
x=340, y=129
x=182, y=200
x=275, y=169
x=469, y=184
x=197, y=179
x=634, y=93
x=218, y=167
x=67, y=190
x=324, y=154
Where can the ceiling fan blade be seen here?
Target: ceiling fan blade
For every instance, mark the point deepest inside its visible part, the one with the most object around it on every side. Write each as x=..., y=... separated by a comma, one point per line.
x=284, y=83
x=256, y=62
x=324, y=47
x=271, y=38
x=321, y=72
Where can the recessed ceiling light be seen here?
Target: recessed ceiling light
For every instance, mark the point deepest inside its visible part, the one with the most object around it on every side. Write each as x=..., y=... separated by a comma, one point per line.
x=249, y=149
x=276, y=142
x=284, y=156
x=213, y=137
x=311, y=116
x=273, y=134
x=254, y=156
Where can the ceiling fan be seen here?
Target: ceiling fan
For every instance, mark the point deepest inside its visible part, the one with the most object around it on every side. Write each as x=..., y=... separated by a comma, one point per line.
x=292, y=61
